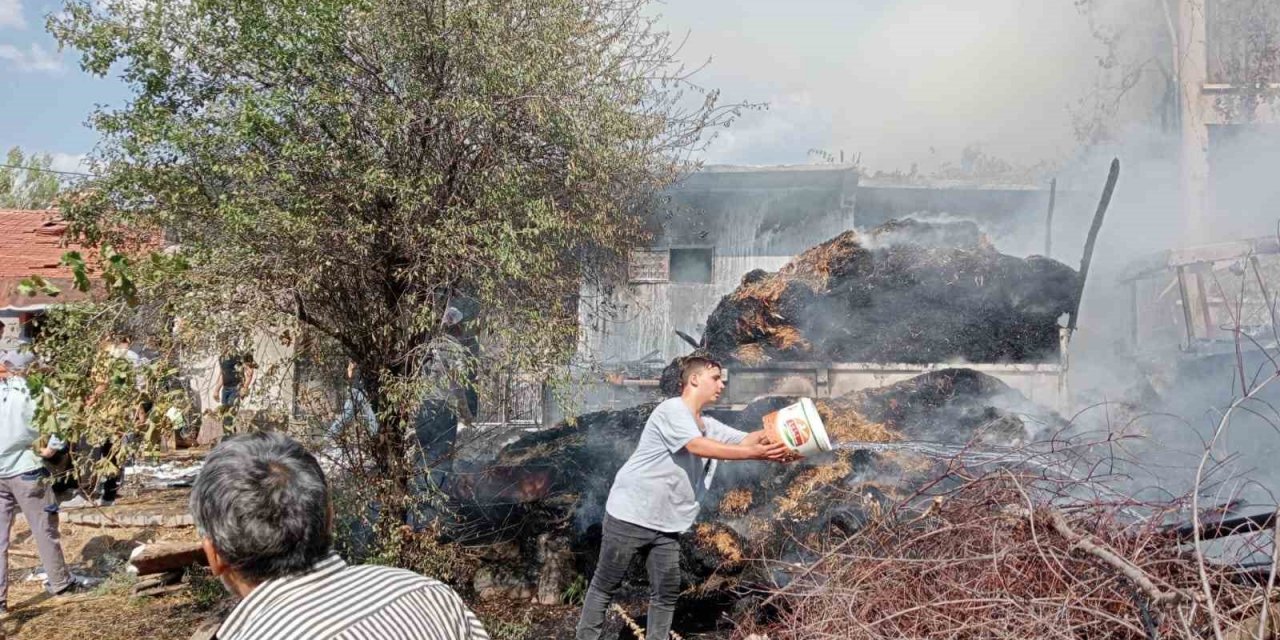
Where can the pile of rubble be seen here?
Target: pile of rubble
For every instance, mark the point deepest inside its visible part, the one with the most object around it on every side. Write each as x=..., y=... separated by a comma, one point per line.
x=907, y=291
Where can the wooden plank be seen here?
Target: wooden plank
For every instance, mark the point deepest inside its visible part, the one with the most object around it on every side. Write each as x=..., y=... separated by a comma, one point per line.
x=1184, y=298
x=1134, y=315
x=169, y=556
x=1206, y=313
x=1224, y=251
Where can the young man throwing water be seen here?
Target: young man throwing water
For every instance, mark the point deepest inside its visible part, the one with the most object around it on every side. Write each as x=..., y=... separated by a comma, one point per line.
x=655, y=496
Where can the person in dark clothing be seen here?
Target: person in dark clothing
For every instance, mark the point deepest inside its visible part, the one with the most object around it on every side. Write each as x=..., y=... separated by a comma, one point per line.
x=234, y=377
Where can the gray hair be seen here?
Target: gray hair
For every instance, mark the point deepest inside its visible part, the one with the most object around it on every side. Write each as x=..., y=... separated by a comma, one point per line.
x=263, y=501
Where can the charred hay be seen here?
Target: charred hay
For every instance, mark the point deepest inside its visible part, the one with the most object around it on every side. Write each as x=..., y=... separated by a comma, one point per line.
x=908, y=291
x=756, y=514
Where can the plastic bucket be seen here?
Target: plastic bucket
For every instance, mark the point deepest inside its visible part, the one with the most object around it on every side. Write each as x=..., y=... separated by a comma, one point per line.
x=799, y=427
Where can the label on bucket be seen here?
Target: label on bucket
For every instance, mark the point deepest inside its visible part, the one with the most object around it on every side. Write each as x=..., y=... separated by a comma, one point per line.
x=795, y=432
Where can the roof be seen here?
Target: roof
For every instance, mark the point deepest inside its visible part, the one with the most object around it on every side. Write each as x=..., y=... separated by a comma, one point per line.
x=32, y=243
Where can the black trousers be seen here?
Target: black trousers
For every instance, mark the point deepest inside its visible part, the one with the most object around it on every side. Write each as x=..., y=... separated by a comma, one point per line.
x=622, y=541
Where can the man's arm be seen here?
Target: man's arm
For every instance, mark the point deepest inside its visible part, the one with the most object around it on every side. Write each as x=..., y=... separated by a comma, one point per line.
x=757, y=437
x=53, y=448
x=249, y=368
x=704, y=447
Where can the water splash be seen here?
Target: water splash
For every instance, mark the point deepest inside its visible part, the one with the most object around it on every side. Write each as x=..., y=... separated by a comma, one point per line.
x=1039, y=458
x=931, y=449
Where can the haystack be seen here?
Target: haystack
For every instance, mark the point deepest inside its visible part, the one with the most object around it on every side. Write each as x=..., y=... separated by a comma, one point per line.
x=907, y=291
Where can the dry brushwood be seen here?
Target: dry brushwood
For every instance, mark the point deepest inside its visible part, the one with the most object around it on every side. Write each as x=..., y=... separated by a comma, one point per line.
x=990, y=560
x=1130, y=571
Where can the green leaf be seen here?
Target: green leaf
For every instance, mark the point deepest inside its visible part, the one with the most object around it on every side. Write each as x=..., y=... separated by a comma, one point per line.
x=79, y=269
x=36, y=285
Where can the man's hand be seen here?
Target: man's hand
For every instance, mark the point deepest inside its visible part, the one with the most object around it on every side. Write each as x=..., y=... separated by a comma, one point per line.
x=48, y=452
x=772, y=451
x=707, y=448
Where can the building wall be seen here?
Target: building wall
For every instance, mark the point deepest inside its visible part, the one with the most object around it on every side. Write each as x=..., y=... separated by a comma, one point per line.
x=1201, y=99
x=750, y=218
x=272, y=388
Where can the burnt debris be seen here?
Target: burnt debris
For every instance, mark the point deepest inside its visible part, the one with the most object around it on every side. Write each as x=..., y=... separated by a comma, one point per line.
x=759, y=519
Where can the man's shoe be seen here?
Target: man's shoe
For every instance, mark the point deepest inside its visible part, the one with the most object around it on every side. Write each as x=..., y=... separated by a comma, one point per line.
x=105, y=503
x=79, y=584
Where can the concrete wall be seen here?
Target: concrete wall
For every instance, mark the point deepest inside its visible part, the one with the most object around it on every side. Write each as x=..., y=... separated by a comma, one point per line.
x=1200, y=99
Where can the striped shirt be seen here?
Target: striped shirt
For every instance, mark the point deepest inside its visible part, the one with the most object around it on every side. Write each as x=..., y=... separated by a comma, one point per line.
x=338, y=601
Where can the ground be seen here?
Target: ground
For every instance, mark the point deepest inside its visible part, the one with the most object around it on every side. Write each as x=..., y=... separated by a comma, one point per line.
x=97, y=543
x=95, y=547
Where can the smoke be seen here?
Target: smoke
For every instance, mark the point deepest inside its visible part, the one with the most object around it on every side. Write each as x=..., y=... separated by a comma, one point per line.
x=1057, y=89
x=901, y=83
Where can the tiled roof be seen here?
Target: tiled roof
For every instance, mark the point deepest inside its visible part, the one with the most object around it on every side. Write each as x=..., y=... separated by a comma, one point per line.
x=32, y=243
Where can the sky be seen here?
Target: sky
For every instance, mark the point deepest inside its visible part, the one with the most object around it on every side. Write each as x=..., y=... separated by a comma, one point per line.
x=44, y=97
x=896, y=81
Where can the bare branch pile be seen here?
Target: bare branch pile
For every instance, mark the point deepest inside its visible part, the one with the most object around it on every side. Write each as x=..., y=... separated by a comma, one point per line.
x=988, y=560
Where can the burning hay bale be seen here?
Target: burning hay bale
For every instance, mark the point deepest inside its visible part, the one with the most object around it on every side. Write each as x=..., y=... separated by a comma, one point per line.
x=846, y=424
x=953, y=406
x=735, y=503
x=907, y=291
x=755, y=513
x=553, y=480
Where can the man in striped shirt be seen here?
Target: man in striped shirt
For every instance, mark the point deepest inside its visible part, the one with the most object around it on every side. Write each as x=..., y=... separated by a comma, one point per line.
x=261, y=504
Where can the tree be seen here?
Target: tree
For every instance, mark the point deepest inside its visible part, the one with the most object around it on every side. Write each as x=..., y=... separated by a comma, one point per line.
x=1142, y=57
x=359, y=167
x=25, y=182
x=88, y=389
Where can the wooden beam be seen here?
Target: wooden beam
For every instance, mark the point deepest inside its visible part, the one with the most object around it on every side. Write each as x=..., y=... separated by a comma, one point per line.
x=1103, y=203
x=1048, y=223
x=149, y=559
x=1134, y=316
x=1225, y=528
x=1187, y=318
x=1206, y=314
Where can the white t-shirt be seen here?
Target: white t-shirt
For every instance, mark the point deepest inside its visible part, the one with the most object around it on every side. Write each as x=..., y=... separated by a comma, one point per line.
x=17, y=434
x=661, y=484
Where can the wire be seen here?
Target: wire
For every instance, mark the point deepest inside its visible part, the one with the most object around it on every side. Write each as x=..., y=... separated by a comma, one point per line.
x=65, y=173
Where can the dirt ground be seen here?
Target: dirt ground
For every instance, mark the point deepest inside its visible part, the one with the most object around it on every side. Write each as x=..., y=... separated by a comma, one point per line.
x=100, y=550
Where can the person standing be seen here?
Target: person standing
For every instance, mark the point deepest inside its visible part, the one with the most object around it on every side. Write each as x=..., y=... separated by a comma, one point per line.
x=655, y=495
x=235, y=374
x=24, y=482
